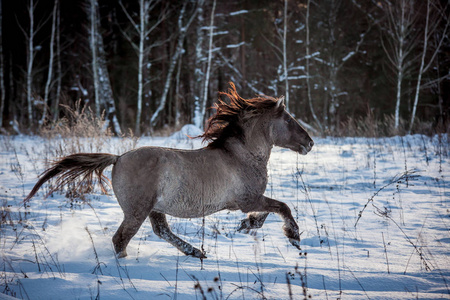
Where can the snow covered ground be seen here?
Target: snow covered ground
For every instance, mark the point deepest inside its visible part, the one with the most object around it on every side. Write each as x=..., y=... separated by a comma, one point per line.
x=375, y=215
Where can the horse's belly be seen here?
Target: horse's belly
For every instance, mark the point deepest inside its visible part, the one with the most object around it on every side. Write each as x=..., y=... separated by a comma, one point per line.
x=186, y=208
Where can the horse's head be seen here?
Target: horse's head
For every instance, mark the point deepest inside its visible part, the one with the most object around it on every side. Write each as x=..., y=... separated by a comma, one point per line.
x=288, y=133
x=251, y=119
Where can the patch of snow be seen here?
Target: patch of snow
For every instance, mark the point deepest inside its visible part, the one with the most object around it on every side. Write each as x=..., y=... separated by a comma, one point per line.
x=373, y=212
x=187, y=132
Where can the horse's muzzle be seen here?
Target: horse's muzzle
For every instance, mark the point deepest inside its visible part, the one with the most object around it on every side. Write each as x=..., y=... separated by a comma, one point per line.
x=305, y=149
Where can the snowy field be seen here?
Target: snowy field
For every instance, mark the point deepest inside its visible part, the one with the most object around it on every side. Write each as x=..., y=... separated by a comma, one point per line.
x=375, y=216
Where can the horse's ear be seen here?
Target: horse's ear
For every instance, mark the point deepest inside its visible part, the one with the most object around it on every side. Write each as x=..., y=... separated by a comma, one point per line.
x=280, y=103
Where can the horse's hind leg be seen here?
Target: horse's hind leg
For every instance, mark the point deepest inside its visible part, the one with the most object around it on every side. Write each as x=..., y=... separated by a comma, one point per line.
x=129, y=227
x=254, y=220
x=161, y=229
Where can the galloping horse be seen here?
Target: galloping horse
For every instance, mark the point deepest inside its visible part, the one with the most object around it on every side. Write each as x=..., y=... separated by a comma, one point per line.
x=229, y=173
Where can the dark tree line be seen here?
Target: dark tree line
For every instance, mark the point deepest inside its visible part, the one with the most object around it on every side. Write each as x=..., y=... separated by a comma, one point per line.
x=147, y=64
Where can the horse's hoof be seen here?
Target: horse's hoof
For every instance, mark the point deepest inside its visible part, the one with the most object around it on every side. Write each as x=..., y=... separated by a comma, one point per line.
x=122, y=254
x=197, y=253
x=295, y=243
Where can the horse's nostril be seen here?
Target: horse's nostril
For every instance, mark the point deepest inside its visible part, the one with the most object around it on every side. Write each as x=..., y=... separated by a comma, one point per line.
x=311, y=144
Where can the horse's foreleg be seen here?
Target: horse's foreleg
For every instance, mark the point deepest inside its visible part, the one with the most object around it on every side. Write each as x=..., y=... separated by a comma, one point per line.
x=254, y=220
x=267, y=205
x=161, y=229
x=126, y=231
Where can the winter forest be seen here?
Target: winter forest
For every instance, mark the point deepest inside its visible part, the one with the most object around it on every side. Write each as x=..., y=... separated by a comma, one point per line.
x=345, y=67
x=368, y=80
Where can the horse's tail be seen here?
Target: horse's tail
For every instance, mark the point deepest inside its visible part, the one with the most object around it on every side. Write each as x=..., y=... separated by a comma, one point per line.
x=73, y=166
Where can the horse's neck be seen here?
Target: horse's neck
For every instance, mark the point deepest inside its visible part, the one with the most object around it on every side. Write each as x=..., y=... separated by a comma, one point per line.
x=253, y=151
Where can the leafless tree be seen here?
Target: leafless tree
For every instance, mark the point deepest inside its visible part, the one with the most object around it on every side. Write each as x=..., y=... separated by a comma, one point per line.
x=143, y=30
x=59, y=72
x=93, y=45
x=31, y=50
x=50, y=65
x=199, y=66
x=333, y=56
x=102, y=86
x=308, y=74
x=282, y=52
x=32, y=32
x=182, y=31
x=208, y=69
x=433, y=18
x=2, y=78
x=401, y=38
x=285, y=66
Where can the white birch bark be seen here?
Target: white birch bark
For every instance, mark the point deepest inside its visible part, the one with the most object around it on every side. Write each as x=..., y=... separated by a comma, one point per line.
x=50, y=65
x=2, y=78
x=30, y=63
x=106, y=94
x=93, y=45
x=401, y=18
x=399, y=82
x=199, y=68
x=428, y=32
x=142, y=27
x=422, y=63
x=208, y=70
x=102, y=86
x=308, y=75
x=286, y=79
x=400, y=60
x=58, y=68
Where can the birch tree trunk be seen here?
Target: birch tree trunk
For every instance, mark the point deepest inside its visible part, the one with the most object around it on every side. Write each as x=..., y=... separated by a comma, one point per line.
x=58, y=67
x=431, y=24
x=142, y=28
x=30, y=64
x=308, y=74
x=106, y=94
x=331, y=108
x=208, y=70
x=93, y=45
x=2, y=69
x=400, y=60
x=399, y=92
x=286, y=79
x=102, y=86
x=402, y=34
x=422, y=63
x=199, y=68
x=50, y=65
